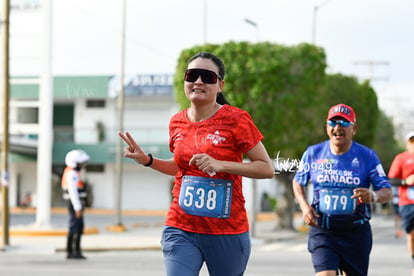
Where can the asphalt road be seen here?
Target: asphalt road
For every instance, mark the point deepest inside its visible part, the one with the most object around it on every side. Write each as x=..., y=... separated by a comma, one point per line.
x=273, y=257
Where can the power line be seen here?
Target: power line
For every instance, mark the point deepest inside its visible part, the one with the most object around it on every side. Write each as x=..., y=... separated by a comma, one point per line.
x=371, y=65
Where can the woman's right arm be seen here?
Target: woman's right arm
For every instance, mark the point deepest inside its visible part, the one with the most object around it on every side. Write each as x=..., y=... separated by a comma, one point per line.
x=134, y=152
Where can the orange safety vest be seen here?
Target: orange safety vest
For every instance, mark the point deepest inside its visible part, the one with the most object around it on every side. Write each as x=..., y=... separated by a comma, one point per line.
x=80, y=184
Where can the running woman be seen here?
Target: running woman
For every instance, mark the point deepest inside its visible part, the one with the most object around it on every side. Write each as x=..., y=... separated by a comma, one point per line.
x=401, y=175
x=207, y=221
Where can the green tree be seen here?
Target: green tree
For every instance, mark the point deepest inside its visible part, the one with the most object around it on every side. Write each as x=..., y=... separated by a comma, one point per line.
x=361, y=96
x=277, y=84
x=386, y=145
x=287, y=92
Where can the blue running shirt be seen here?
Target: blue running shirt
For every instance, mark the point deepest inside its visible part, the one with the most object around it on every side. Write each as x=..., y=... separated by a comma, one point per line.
x=334, y=177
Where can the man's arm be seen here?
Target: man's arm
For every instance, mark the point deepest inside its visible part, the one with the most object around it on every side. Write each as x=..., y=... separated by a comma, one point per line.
x=383, y=195
x=308, y=212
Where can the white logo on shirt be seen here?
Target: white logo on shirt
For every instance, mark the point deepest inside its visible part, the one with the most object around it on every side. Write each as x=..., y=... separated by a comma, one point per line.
x=179, y=137
x=215, y=138
x=380, y=170
x=355, y=163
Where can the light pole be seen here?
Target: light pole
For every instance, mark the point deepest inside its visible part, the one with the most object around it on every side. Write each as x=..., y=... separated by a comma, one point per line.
x=205, y=22
x=120, y=106
x=45, y=139
x=254, y=181
x=315, y=11
x=5, y=135
x=254, y=25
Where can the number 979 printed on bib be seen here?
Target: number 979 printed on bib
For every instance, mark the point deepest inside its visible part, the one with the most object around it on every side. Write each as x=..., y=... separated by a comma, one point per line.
x=336, y=201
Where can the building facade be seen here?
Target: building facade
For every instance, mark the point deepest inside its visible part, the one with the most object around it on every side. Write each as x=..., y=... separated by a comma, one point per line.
x=85, y=116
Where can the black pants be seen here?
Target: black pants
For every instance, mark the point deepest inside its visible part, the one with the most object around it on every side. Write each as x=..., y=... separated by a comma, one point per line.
x=76, y=226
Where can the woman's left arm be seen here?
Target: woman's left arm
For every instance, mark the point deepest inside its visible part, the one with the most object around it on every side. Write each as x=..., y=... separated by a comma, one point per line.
x=260, y=165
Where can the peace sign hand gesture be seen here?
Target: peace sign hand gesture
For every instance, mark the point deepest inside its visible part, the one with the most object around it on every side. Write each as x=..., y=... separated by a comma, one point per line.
x=133, y=151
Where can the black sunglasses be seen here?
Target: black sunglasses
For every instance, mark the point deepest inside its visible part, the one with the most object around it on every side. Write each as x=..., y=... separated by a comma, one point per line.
x=207, y=76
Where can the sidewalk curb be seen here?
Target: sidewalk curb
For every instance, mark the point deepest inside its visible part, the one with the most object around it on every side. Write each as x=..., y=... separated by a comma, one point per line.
x=114, y=248
x=95, y=211
x=33, y=230
x=36, y=232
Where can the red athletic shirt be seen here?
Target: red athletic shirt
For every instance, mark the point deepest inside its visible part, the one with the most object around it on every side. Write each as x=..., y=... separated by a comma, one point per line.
x=402, y=167
x=228, y=134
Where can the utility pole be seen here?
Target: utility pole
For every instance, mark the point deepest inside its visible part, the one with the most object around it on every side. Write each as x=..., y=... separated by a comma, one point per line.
x=314, y=24
x=253, y=212
x=118, y=159
x=205, y=22
x=371, y=64
x=255, y=26
x=5, y=142
x=45, y=140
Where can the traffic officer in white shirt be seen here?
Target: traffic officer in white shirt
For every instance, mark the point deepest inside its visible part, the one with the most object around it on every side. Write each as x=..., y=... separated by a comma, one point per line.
x=74, y=191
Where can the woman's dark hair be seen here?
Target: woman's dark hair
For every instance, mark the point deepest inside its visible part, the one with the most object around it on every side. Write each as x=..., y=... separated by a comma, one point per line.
x=220, y=99
x=217, y=61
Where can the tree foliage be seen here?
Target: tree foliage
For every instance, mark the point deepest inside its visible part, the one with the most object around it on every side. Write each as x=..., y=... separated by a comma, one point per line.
x=386, y=145
x=287, y=92
x=361, y=96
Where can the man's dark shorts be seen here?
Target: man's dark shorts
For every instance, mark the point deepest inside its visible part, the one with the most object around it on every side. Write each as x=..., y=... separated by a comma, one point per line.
x=348, y=250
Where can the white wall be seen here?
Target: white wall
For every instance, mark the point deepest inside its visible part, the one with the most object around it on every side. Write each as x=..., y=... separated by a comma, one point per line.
x=26, y=174
x=142, y=188
x=85, y=120
x=262, y=185
x=148, y=119
x=102, y=187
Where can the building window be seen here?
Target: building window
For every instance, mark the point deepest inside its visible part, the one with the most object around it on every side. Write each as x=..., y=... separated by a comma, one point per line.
x=95, y=168
x=27, y=115
x=95, y=103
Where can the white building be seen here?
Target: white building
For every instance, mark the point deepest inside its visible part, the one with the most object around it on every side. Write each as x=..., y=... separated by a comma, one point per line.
x=85, y=116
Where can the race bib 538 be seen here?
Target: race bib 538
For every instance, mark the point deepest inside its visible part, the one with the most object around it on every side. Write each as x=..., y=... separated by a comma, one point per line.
x=203, y=196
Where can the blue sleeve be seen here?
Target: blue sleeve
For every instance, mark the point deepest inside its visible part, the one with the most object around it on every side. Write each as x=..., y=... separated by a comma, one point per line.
x=302, y=175
x=377, y=174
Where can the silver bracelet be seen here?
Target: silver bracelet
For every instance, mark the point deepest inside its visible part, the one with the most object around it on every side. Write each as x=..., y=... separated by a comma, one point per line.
x=374, y=197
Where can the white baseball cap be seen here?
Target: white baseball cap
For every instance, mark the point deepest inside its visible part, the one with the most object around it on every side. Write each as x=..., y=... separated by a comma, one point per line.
x=409, y=135
x=74, y=157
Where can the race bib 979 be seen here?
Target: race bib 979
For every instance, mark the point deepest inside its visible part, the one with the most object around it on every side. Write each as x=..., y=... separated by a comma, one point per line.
x=208, y=197
x=336, y=201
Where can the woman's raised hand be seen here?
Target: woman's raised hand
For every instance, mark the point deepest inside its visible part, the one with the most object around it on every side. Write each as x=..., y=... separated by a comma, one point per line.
x=133, y=150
